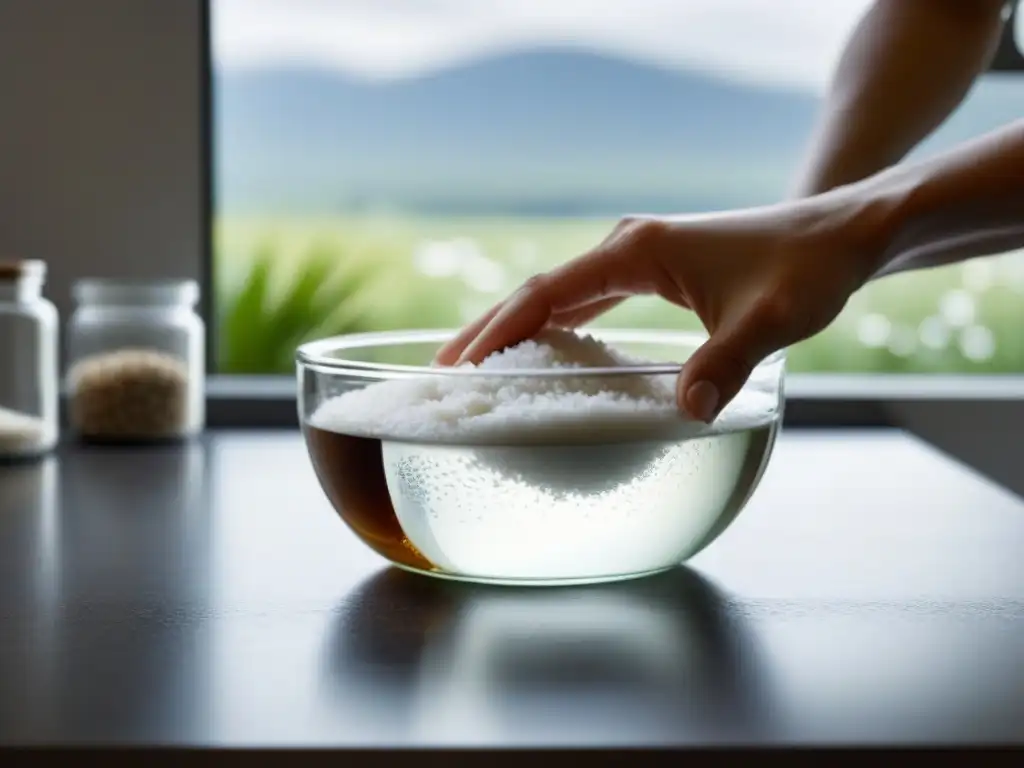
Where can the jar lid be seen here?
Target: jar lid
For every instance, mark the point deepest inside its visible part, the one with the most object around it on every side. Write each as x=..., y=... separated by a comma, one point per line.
x=121, y=292
x=17, y=270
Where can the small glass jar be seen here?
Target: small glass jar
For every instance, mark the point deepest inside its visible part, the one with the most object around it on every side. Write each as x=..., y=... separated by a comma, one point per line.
x=136, y=361
x=29, y=391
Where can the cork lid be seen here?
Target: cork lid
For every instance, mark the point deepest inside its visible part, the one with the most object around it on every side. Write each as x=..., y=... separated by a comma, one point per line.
x=16, y=270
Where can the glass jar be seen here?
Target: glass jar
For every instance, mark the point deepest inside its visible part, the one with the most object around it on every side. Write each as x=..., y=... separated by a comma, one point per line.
x=136, y=361
x=29, y=392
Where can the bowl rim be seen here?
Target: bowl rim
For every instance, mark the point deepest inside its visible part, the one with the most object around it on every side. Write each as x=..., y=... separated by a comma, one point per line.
x=314, y=355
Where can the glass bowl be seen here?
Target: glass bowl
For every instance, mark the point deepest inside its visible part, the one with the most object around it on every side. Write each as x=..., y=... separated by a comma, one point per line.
x=558, y=495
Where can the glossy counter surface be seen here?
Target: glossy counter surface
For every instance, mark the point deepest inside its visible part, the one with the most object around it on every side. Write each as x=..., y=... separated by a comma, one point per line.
x=872, y=591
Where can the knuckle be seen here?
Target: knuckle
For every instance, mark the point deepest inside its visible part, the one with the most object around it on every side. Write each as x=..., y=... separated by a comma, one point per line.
x=777, y=310
x=641, y=233
x=623, y=224
x=535, y=290
x=535, y=284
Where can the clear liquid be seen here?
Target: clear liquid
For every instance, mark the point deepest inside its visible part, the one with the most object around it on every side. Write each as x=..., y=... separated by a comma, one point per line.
x=581, y=512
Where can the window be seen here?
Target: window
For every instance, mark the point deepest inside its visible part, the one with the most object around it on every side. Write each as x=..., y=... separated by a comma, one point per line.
x=403, y=164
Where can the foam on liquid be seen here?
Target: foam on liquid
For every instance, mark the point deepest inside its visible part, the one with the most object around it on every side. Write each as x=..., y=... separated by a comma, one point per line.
x=481, y=410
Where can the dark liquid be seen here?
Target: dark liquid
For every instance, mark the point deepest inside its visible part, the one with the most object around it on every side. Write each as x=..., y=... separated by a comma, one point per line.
x=351, y=472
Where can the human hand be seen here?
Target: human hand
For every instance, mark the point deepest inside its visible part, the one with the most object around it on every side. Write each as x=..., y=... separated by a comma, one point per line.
x=759, y=280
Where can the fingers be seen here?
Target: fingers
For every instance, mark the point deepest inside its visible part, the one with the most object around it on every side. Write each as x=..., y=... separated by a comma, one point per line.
x=571, y=318
x=717, y=371
x=526, y=313
x=449, y=353
x=577, y=284
x=572, y=293
x=574, y=318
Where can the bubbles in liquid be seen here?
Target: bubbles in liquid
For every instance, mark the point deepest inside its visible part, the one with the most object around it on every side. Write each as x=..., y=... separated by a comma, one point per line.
x=583, y=470
x=529, y=512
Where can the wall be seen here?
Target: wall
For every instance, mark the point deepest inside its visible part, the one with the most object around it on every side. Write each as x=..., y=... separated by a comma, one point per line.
x=100, y=138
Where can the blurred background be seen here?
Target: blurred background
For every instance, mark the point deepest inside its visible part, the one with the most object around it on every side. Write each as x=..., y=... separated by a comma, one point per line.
x=383, y=164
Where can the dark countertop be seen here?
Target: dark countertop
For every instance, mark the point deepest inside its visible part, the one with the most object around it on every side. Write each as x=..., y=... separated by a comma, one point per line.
x=872, y=591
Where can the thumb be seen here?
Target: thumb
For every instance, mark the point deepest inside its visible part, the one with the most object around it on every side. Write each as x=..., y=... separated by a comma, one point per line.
x=717, y=371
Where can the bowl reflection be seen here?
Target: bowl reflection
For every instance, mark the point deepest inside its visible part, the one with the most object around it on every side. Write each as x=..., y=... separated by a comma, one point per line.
x=657, y=660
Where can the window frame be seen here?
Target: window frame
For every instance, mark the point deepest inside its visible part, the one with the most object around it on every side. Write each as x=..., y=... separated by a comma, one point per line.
x=829, y=401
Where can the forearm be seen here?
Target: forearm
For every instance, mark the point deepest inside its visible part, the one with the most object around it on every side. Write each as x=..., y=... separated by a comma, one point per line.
x=962, y=204
x=907, y=66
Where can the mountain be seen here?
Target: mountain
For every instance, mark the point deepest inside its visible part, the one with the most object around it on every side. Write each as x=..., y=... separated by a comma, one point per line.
x=544, y=129
x=556, y=131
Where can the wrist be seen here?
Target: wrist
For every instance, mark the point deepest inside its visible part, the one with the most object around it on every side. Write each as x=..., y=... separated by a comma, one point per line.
x=870, y=215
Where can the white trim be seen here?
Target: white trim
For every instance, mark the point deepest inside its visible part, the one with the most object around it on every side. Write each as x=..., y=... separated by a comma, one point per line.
x=904, y=387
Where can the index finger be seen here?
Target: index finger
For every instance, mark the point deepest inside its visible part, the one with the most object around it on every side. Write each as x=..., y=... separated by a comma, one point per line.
x=598, y=275
x=449, y=353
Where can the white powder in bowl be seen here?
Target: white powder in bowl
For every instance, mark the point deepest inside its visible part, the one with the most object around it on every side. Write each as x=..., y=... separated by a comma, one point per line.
x=481, y=410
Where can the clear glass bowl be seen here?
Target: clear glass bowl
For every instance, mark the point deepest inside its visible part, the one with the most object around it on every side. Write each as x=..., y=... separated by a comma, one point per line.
x=553, y=497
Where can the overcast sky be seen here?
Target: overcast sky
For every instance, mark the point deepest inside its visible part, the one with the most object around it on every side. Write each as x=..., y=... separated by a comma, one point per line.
x=787, y=42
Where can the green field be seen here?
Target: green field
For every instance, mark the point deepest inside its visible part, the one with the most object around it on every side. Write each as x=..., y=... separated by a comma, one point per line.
x=280, y=281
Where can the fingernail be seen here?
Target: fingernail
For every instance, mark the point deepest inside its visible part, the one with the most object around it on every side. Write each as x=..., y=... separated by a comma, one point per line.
x=703, y=399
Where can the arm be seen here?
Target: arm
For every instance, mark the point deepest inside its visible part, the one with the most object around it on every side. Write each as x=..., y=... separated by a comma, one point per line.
x=964, y=203
x=907, y=66
x=764, y=278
